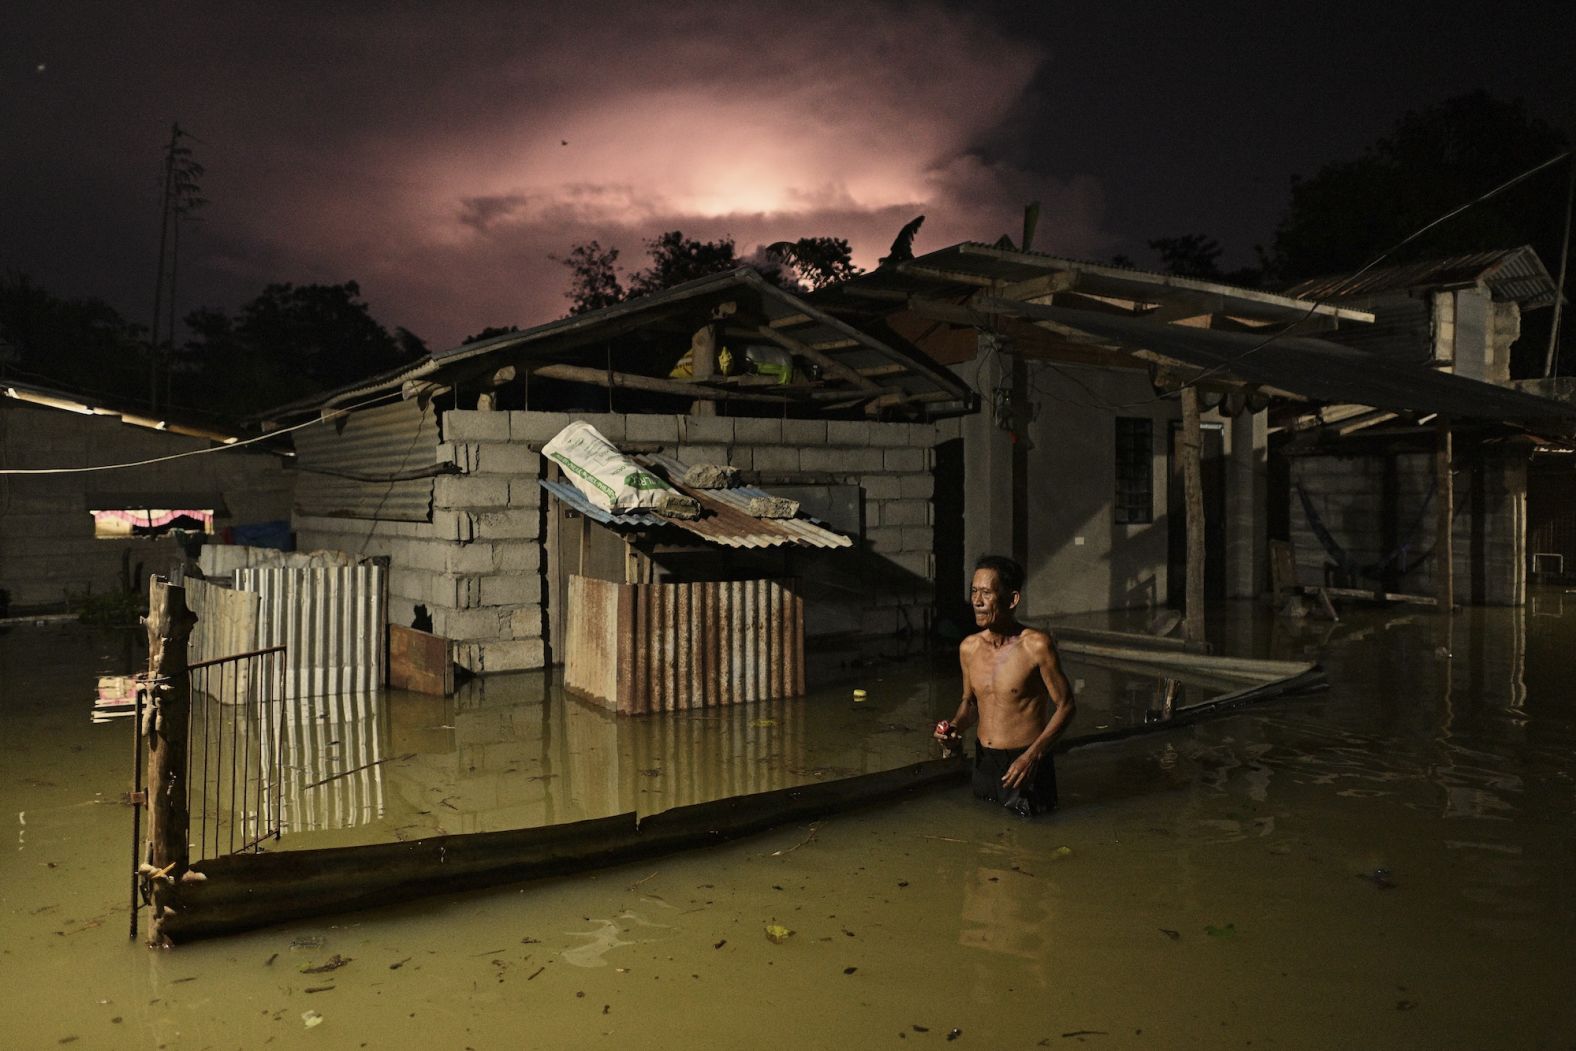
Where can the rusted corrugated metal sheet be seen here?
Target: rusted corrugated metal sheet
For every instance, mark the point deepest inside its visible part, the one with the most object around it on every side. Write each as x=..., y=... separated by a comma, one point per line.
x=642, y=648
x=331, y=619
x=724, y=520
x=1515, y=274
x=344, y=470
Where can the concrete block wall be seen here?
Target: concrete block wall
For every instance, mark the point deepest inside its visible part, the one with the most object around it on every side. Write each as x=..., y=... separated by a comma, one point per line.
x=478, y=566
x=47, y=546
x=1488, y=532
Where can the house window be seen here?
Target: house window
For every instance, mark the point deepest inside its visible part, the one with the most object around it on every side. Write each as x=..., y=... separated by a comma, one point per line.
x=1135, y=481
x=121, y=523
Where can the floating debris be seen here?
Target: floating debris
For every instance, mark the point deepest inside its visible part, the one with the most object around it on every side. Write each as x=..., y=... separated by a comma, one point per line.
x=333, y=963
x=311, y=1018
x=1228, y=931
x=849, y=970
x=776, y=933
x=953, y=1034
x=1380, y=878
x=1175, y=936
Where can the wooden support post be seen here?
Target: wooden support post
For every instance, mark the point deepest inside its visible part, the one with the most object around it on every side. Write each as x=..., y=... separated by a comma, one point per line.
x=166, y=724
x=1193, y=498
x=1445, y=509
x=703, y=365
x=1020, y=460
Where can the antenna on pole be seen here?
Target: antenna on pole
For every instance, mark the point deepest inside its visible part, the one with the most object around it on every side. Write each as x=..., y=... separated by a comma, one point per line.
x=182, y=196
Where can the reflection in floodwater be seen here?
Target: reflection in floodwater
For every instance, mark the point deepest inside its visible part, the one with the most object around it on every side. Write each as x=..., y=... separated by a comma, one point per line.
x=1385, y=864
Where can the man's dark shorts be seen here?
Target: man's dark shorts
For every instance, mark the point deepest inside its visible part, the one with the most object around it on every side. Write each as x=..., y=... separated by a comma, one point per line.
x=1035, y=796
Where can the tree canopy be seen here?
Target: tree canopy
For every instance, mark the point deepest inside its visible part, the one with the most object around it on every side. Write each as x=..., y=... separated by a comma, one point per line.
x=1430, y=162
x=806, y=264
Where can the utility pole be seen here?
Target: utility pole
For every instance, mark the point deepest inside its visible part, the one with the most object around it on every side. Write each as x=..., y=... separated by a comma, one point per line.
x=182, y=196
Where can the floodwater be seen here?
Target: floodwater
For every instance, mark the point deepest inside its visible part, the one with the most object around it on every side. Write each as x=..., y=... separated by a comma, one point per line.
x=1387, y=864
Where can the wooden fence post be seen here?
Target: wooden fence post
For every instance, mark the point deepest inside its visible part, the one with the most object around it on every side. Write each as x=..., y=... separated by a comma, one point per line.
x=166, y=725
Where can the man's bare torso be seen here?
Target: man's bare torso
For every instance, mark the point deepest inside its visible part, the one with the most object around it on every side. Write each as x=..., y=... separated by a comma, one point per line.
x=1004, y=672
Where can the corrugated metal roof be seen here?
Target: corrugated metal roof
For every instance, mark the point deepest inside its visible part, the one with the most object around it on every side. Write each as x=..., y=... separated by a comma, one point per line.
x=1515, y=274
x=1318, y=369
x=338, y=465
x=973, y=267
x=934, y=388
x=725, y=519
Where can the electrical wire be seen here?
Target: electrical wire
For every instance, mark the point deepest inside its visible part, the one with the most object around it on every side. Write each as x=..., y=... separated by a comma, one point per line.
x=1381, y=257
x=4, y=471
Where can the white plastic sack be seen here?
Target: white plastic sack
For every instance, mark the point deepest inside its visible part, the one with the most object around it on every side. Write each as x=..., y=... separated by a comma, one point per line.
x=608, y=478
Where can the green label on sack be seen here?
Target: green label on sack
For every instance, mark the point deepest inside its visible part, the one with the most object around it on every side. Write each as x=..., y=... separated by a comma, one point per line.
x=643, y=480
x=582, y=472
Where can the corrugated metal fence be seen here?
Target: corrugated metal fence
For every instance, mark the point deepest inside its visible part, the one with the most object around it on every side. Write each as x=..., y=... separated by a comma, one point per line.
x=663, y=647
x=330, y=619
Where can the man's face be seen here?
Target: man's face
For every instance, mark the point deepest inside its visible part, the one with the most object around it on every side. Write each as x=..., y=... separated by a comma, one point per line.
x=991, y=604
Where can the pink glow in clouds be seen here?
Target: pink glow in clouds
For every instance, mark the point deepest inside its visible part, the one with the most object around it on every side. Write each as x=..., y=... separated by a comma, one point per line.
x=440, y=156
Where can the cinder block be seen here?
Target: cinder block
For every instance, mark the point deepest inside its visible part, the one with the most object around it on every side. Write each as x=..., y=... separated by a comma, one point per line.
x=849, y=432
x=510, y=655
x=514, y=459
x=524, y=493
x=610, y=426
x=526, y=426
x=872, y=514
x=419, y=554
x=461, y=454
x=468, y=558
x=919, y=563
x=466, y=491
x=892, y=434
x=518, y=557
x=651, y=427
x=776, y=459
x=508, y=525
x=469, y=425
x=469, y=624
x=903, y=512
x=917, y=486
x=511, y=589
x=882, y=486
x=886, y=540
x=917, y=538
x=753, y=431
x=804, y=432
x=454, y=525
x=905, y=460
x=693, y=454
x=742, y=457
x=703, y=430
x=414, y=584
x=457, y=591
x=526, y=623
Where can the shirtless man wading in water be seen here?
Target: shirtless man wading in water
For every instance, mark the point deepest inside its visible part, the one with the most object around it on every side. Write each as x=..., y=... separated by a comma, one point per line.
x=1014, y=688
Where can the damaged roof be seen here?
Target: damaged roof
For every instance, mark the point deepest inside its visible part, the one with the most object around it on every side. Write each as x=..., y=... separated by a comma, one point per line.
x=855, y=367
x=1513, y=274
x=724, y=520
x=974, y=269
x=1316, y=369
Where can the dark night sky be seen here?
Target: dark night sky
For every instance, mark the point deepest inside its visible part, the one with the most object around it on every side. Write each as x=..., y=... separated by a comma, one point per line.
x=419, y=148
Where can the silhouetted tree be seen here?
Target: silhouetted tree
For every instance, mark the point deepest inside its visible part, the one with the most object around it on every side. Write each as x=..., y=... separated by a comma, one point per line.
x=81, y=344
x=814, y=262
x=1430, y=162
x=488, y=333
x=593, y=277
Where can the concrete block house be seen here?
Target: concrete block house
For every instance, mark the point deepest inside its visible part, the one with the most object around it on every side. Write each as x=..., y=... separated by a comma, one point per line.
x=438, y=468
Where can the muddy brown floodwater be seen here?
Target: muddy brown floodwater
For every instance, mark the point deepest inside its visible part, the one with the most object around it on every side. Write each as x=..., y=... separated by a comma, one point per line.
x=1388, y=864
